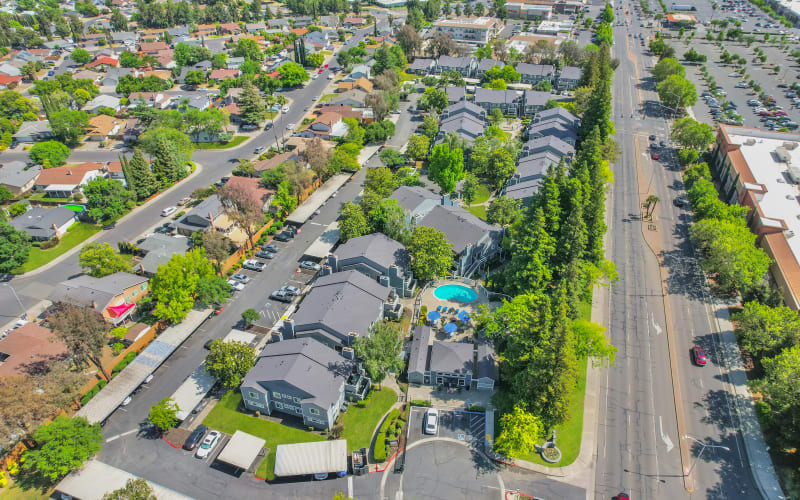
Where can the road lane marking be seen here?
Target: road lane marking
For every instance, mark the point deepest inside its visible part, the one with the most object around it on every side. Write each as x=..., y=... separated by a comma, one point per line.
x=350, y=487
x=664, y=437
x=126, y=433
x=656, y=327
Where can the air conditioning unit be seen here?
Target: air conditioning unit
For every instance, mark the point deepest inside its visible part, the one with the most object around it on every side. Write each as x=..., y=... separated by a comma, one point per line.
x=794, y=174
x=783, y=155
x=749, y=142
x=789, y=145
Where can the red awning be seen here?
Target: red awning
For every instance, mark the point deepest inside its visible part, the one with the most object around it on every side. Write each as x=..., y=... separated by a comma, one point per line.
x=118, y=311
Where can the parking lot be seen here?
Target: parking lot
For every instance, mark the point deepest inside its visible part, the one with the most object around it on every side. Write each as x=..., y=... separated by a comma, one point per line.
x=453, y=424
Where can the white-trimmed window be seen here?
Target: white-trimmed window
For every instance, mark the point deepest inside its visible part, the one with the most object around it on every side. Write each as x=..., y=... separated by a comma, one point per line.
x=276, y=395
x=314, y=411
x=278, y=406
x=253, y=395
x=297, y=400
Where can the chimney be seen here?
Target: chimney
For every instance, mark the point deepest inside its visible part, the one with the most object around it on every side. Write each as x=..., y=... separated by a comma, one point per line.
x=333, y=262
x=69, y=171
x=141, y=267
x=288, y=329
x=446, y=199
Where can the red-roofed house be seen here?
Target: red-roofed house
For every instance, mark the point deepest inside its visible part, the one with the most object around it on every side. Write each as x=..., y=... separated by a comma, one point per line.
x=230, y=28
x=103, y=61
x=207, y=29
x=114, y=169
x=65, y=181
x=233, y=110
x=152, y=47
x=27, y=348
x=252, y=186
x=350, y=22
x=9, y=82
x=300, y=31
x=326, y=126
x=224, y=74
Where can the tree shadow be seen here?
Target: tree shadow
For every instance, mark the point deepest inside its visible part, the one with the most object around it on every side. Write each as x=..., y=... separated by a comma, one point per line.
x=30, y=480
x=683, y=271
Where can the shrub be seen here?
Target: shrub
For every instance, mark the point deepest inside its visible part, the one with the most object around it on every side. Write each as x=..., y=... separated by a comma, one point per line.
x=46, y=245
x=102, y=383
x=118, y=332
x=130, y=357
x=278, y=225
x=117, y=347
x=476, y=408
x=421, y=402
x=423, y=313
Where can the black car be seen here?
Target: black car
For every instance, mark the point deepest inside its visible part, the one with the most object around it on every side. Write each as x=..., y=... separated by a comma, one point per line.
x=195, y=438
x=663, y=144
x=263, y=254
x=654, y=145
x=271, y=247
x=679, y=202
x=111, y=225
x=652, y=137
x=282, y=236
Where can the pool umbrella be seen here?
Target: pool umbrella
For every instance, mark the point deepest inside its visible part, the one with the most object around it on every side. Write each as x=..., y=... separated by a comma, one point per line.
x=434, y=315
x=463, y=316
x=450, y=327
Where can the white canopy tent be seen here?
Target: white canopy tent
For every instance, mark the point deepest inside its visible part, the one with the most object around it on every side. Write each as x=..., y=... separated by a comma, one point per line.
x=242, y=450
x=311, y=458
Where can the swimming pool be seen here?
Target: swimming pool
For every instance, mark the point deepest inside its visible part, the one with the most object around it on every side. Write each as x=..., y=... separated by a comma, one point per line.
x=457, y=293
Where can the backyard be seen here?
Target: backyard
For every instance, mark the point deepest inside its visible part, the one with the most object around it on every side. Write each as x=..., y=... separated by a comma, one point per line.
x=75, y=235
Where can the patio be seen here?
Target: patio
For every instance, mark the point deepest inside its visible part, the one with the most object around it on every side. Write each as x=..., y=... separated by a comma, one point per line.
x=452, y=319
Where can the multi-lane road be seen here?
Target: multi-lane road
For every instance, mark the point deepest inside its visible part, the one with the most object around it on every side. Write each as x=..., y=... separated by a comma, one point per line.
x=657, y=312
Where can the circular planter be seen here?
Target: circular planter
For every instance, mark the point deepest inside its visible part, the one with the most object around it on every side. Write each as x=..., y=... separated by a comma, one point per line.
x=550, y=454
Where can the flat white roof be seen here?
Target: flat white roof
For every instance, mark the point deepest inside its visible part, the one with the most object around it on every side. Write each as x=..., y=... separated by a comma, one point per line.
x=311, y=458
x=323, y=245
x=239, y=336
x=317, y=199
x=782, y=199
x=242, y=450
x=792, y=5
x=192, y=391
x=95, y=479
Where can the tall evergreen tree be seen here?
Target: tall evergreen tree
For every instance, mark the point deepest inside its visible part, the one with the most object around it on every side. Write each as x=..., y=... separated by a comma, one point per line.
x=138, y=175
x=251, y=106
x=532, y=247
x=165, y=166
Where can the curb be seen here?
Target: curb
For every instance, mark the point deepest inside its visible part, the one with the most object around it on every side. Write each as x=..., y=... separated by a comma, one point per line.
x=165, y=440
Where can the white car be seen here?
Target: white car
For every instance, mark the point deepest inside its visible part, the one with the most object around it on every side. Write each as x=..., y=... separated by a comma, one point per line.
x=285, y=109
x=236, y=285
x=208, y=444
x=168, y=211
x=431, y=421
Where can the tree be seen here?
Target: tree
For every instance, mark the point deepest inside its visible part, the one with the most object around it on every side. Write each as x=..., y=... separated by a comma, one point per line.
x=381, y=350
x=100, y=259
x=212, y=290
x=292, y=74
x=498, y=84
x=217, y=247
x=430, y=128
x=164, y=414
x=782, y=391
x=435, y=99
x=283, y=199
x=175, y=284
x=380, y=181
x=694, y=56
x=317, y=155
x=242, y=207
x=62, y=446
x=592, y=341
x=378, y=104
x=249, y=49
x=446, y=167
x=251, y=106
x=69, y=125
x=355, y=132
x=409, y=40
x=469, y=188
x=83, y=331
x=229, y=362
x=80, y=56
x=765, y=330
x=676, y=92
x=140, y=179
x=520, y=432
x=194, y=78
x=14, y=248
x=691, y=133
x=501, y=167
x=16, y=107
x=134, y=489
x=666, y=67
x=54, y=152
x=107, y=199
x=431, y=254
x=352, y=222
x=503, y=211
x=418, y=146
x=391, y=157
x=165, y=165
x=250, y=316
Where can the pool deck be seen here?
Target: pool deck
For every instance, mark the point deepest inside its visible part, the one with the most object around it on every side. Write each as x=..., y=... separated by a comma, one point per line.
x=430, y=301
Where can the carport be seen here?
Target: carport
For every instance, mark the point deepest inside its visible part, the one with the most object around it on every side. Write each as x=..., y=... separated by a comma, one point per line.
x=95, y=479
x=192, y=391
x=323, y=245
x=242, y=450
x=311, y=458
x=317, y=199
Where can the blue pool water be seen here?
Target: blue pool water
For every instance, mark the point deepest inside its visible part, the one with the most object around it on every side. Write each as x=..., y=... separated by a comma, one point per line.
x=458, y=293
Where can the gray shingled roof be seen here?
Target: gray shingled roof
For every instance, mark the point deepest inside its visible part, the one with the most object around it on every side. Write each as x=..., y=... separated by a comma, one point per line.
x=14, y=173
x=555, y=129
x=536, y=97
x=452, y=357
x=85, y=290
x=557, y=113
x=496, y=96
x=304, y=363
x=343, y=302
x=487, y=64
x=465, y=125
x=160, y=248
x=536, y=164
x=410, y=197
x=38, y=222
x=550, y=141
x=523, y=190
x=464, y=107
x=376, y=247
x=487, y=360
x=197, y=218
x=535, y=69
x=456, y=94
x=455, y=62
x=420, y=65
x=571, y=73
x=461, y=227
x=418, y=357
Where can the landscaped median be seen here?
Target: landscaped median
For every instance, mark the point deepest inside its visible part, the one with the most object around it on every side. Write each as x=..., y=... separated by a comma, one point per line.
x=74, y=236
x=237, y=139
x=359, y=423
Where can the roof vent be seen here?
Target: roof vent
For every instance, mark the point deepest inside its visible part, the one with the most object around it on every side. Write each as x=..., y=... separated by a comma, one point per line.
x=790, y=145
x=783, y=155
x=749, y=142
x=780, y=181
x=794, y=174
x=789, y=197
x=789, y=234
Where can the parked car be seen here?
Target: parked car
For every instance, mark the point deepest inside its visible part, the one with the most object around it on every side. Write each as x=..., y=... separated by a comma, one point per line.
x=126, y=401
x=653, y=145
x=292, y=290
x=271, y=247
x=241, y=278
x=208, y=444
x=168, y=211
x=663, y=144
x=679, y=202
x=285, y=109
x=431, y=421
x=307, y=264
x=253, y=265
x=263, y=254
x=282, y=236
x=699, y=356
x=236, y=285
x=654, y=156
x=259, y=150
x=183, y=201
x=652, y=137
x=281, y=296
x=195, y=438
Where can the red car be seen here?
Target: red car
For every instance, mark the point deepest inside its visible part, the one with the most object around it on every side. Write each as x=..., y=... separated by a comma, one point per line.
x=326, y=65
x=699, y=356
x=654, y=156
x=320, y=71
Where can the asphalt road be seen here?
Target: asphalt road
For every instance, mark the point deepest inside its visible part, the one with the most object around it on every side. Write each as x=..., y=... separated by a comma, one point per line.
x=638, y=443
x=213, y=164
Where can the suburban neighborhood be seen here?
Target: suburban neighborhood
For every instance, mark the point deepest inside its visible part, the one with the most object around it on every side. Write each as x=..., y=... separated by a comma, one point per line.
x=399, y=249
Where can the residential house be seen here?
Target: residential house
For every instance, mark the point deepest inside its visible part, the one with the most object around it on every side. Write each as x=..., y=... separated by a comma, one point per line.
x=27, y=349
x=534, y=101
x=114, y=169
x=103, y=62
x=418, y=370
x=328, y=21
x=302, y=21
x=157, y=249
x=280, y=24
x=156, y=100
x=253, y=28
x=359, y=71
x=43, y=224
x=113, y=75
x=422, y=66
x=9, y=70
x=552, y=128
x=65, y=181
x=86, y=74
x=234, y=62
x=466, y=65
x=535, y=73
x=534, y=166
x=105, y=128
x=507, y=101
x=472, y=239
x=132, y=130
x=219, y=75
x=303, y=378
x=17, y=177
x=103, y=101
x=254, y=190
x=230, y=28
x=465, y=125
x=486, y=64
x=353, y=21
x=464, y=107
x=340, y=308
x=327, y=126
x=416, y=201
x=299, y=32
x=355, y=98
x=202, y=217
x=178, y=32
x=377, y=256
x=34, y=131
x=234, y=113
x=125, y=37
x=9, y=82
x=270, y=163
x=569, y=77
x=204, y=30
x=560, y=114
x=456, y=94
x=152, y=47
x=473, y=30
x=361, y=83
x=549, y=143
x=166, y=59
x=114, y=296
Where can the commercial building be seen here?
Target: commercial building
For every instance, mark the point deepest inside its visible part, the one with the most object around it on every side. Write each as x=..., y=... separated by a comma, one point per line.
x=475, y=30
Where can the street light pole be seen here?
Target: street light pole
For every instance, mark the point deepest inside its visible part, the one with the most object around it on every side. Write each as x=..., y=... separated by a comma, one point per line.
x=705, y=445
x=21, y=307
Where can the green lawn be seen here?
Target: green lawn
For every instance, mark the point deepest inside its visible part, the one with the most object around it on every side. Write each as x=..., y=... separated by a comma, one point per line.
x=76, y=235
x=483, y=194
x=478, y=211
x=237, y=139
x=44, y=197
x=326, y=98
x=360, y=423
x=16, y=492
x=226, y=418
x=271, y=115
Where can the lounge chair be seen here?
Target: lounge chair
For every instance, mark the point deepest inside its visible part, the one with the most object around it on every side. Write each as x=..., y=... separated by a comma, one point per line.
x=439, y=308
x=456, y=312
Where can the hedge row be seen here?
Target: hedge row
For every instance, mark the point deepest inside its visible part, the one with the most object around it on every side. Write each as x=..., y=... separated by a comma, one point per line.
x=122, y=364
x=390, y=431
x=421, y=402
x=93, y=392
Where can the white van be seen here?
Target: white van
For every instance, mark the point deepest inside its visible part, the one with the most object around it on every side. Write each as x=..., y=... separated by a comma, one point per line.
x=168, y=211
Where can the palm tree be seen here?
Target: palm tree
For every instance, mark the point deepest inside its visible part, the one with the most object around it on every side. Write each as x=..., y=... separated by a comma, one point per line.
x=650, y=205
